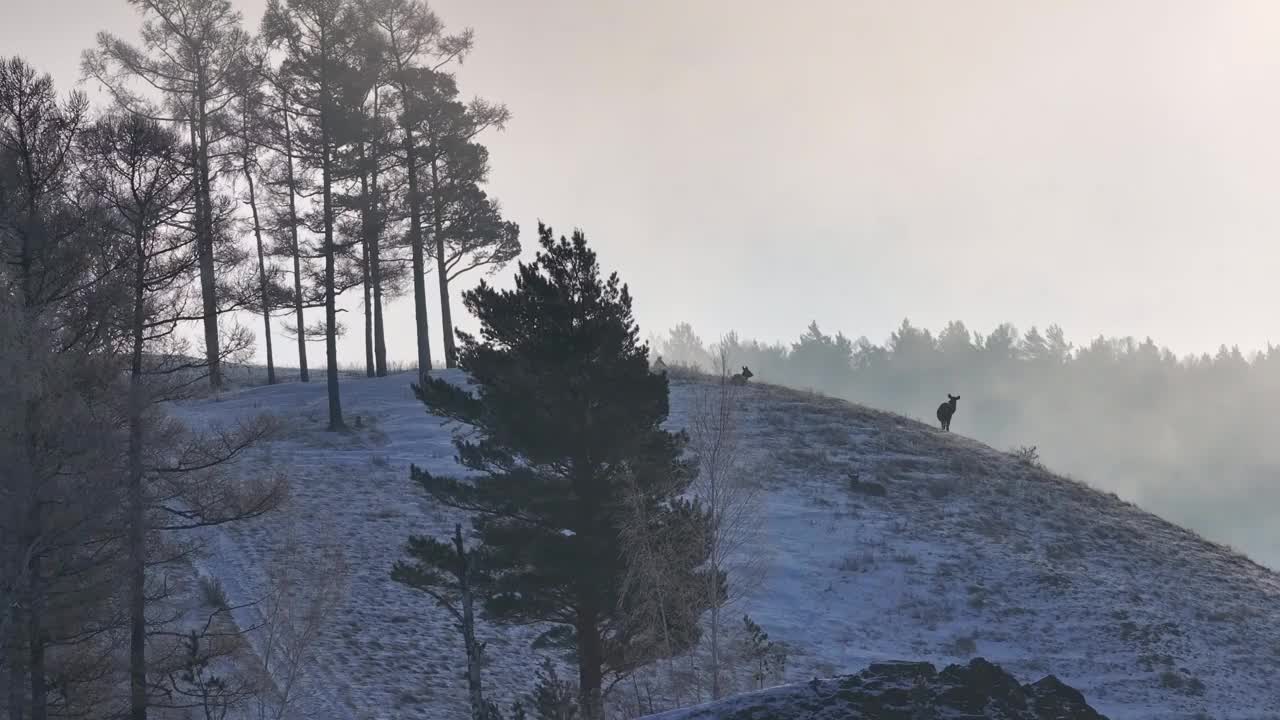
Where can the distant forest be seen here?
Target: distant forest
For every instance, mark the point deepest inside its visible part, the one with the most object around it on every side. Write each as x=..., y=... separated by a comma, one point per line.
x=1191, y=438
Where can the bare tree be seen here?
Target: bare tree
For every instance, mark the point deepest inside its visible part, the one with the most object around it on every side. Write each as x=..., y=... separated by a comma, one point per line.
x=304, y=593
x=729, y=496
x=649, y=592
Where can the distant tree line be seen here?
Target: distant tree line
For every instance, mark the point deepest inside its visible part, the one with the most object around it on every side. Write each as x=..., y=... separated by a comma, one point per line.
x=1122, y=413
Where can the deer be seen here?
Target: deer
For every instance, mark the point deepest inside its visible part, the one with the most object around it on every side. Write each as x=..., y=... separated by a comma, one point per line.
x=742, y=377
x=946, y=410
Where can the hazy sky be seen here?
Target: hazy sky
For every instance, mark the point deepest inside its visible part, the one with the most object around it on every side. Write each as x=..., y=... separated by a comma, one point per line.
x=1110, y=166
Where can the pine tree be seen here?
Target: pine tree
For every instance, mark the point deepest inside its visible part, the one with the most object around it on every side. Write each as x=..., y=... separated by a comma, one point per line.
x=415, y=49
x=193, y=54
x=56, y=433
x=467, y=228
x=321, y=42
x=569, y=418
x=251, y=136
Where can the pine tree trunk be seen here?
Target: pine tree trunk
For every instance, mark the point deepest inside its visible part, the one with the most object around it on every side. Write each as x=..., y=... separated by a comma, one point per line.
x=375, y=261
x=303, y=373
x=36, y=639
x=715, y=637
x=262, y=276
x=419, y=261
x=16, y=662
x=30, y=589
x=442, y=269
x=366, y=237
x=475, y=686
x=330, y=285
x=369, y=369
x=379, y=335
x=136, y=511
x=204, y=239
x=590, y=663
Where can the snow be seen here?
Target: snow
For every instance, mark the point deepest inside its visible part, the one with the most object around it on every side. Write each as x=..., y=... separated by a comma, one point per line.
x=969, y=552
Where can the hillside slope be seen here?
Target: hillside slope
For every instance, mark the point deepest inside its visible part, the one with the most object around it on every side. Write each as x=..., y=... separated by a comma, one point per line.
x=968, y=552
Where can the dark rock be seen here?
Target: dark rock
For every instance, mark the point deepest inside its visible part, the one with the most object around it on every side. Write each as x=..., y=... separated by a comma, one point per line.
x=908, y=691
x=866, y=487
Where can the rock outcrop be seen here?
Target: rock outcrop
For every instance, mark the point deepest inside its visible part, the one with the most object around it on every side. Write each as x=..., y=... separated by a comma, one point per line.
x=906, y=691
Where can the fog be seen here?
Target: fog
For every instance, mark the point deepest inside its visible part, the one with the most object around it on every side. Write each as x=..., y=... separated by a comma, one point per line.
x=1188, y=438
x=753, y=166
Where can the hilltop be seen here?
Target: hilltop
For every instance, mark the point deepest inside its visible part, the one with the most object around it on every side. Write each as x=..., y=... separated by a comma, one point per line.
x=966, y=552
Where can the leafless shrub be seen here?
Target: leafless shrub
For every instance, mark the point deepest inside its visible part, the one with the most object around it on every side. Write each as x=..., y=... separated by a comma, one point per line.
x=305, y=592
x=726, y=492
x=1027, y=455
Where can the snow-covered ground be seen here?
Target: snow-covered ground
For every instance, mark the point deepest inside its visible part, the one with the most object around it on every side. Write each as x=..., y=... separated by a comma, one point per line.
x=969, y=552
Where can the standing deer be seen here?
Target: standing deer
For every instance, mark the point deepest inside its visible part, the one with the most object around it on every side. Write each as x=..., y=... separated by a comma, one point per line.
x=742, y=377
x=946, y=410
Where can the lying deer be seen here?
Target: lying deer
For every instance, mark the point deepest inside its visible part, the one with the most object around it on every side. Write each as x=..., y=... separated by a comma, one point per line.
x=742, y=377
x=946, y=410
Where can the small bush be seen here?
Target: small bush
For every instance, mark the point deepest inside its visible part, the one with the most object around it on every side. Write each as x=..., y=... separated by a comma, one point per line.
x=767, y=659
x=940, y=488
x=553, y=698
x=213, y=593
x=858, y=562
x=865, y=487
x=963, y=646
x=1181, y=682
x=1027, y=455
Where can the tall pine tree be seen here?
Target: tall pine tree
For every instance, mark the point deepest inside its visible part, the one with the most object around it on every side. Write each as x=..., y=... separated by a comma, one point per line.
x=569, y=438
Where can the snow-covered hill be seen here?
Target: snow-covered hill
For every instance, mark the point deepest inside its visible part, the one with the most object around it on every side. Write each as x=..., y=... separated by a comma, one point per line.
x=969, y=551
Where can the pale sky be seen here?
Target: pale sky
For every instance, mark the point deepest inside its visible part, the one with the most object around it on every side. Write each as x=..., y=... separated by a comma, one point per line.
x=1110, y=165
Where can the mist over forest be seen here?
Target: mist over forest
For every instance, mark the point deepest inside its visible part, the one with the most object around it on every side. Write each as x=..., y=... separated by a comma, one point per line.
x=1189, y=438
